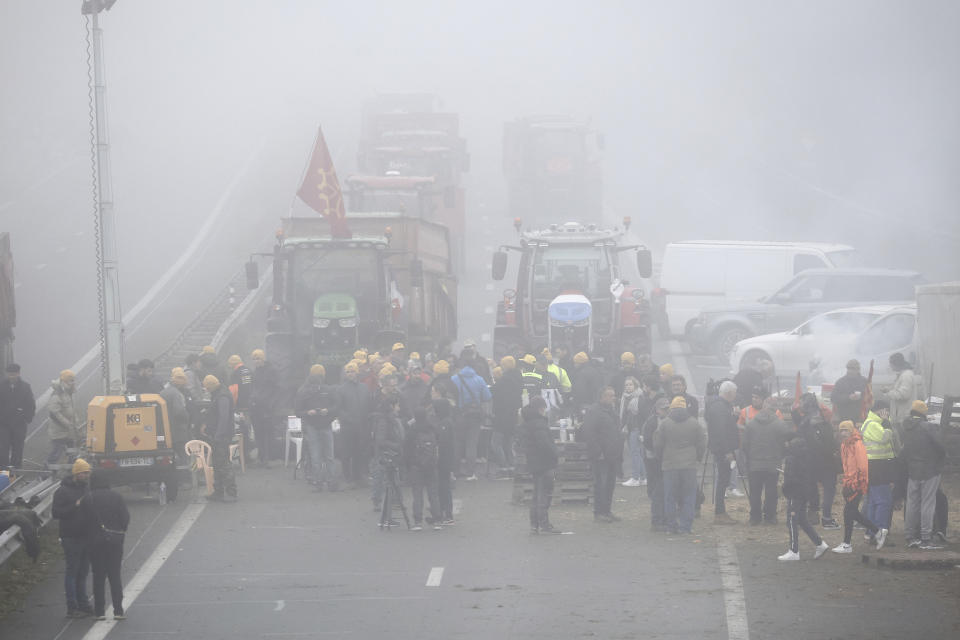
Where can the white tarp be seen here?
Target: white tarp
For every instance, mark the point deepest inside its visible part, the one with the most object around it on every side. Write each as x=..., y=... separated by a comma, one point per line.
x=938, y=323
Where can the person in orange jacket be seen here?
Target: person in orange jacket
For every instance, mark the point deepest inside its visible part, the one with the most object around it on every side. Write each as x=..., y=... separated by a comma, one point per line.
x=854, y=487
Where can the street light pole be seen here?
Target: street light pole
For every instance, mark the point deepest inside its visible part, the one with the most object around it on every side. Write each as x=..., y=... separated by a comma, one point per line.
x=111, y=318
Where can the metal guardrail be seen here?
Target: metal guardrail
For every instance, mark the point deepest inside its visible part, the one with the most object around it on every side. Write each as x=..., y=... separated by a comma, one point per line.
x=42, y=487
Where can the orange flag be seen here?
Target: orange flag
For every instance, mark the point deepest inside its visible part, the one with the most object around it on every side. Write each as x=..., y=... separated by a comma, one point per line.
x=867, y=395
x=321, y=189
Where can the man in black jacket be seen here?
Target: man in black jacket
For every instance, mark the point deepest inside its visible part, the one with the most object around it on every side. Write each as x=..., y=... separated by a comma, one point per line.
x=542, y=457
x=605, y=450
x=658, y=520
x=317, y=406
x=824, y=457
x=586, y=380
x=263, y=394
x=507, y=399
x=74, y=533
x=108, y=518
x=219, y=427
x=723, y=440
x=847, y=395
x=797, y=467
x=354, y=402
x=16, y=412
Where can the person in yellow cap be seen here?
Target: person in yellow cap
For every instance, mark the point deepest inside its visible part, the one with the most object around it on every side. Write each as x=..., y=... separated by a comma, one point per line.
x=353, y=401
x=211, y=365
x=316, y=404
x=587, y=380
x=563, y=380
x=398, y=358
x=174, y=394
x=628, y=369
x=220, y=429
x=209, y=350
x=74, y=529
x=924, y=454
x=65, y=417
x=601, y=432
x=441, y=368
x=264, y=416
x=507, y=396
x=666, y=375
x=680, y=443
x=360, y=354
x=241, y=381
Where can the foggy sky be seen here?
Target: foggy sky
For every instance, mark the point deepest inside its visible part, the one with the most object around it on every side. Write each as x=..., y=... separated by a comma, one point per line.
x=831, y=121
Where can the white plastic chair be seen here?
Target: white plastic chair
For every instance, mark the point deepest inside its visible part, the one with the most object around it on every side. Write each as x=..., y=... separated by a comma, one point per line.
x=199, y=453
x=294, y=436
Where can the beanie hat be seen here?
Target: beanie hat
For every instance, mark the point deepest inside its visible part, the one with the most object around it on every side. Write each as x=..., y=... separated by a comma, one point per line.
x=853, y=364
x=581, y=358
x=351, y=367
x=497, y=372
x=80, y=465
x=66, y=375
x=508, y=362
x=211, y=383
x=398, y=346
x=441, y=367
x=846, y=425
x=666, y=369
x=208, y=349
x=318, y=371
x=372, y=358
x=678, y=403
x=258, y=354
x=546, y=354
x=388, y=370
x=414, y=355
x=178, y=375
x=234, y=360
x=627, y=358
x=529, y=359
x=359, y=354
x=919, y=406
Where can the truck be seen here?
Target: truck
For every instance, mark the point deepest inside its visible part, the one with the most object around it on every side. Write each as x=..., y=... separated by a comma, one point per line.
x=8, y=311
x=570, y=293
x=552, y=165
x=390, y=282
x=406, y=135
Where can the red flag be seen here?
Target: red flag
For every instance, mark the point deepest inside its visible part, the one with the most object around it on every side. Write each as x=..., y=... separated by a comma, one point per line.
x=321, y=189
x=797, y=392
x=867, y=395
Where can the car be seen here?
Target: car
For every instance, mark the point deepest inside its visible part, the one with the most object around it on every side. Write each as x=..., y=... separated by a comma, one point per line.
x=820, y=347
x=718, y=328
x=698, y=273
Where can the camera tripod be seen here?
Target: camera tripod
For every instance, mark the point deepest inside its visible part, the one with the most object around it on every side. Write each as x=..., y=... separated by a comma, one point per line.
x=391, y=494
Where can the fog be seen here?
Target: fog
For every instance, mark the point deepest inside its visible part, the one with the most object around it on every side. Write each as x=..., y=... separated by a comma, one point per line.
x=739, y=120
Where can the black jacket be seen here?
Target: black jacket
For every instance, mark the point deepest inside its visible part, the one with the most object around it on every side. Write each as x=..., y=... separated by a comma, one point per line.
x=821, y=442
x=73, y=523
x=354, y=402
x=507, y=396
x=442, y=418
x=388, y=434
x=538, y=444
x=723, y=435
x=314, y=395
x=763, y=441
x=219, y=418
x=601, y=432
x=263, y=389
x=746, y=380
x=923, y=452
x=103, y=506
x=243, y=378
x=586, y=381
x=17, y=406
x=843, y=407
x=798, y=469
x=421, y=445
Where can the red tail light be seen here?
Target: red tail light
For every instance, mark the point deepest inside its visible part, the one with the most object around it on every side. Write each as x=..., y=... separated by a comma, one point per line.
x=108, y=464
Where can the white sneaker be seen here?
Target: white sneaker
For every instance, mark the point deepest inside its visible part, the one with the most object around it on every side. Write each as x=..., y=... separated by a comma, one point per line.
x=470, y=478
x=789, y=556
x=821, y=549
x=843, y=547
x=632, y=482
x=881, y=538
x=735, y=493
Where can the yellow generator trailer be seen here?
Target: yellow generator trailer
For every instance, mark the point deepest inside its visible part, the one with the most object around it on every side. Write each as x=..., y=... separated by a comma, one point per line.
x=129, y=438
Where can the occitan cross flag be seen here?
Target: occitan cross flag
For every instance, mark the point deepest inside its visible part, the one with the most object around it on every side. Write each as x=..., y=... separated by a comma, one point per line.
x=321, y=189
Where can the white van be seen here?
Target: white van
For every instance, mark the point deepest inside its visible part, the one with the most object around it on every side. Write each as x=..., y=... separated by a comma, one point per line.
x=698, y=273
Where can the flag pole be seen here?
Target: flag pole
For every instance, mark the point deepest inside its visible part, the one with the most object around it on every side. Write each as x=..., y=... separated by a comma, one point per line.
x=303, y=174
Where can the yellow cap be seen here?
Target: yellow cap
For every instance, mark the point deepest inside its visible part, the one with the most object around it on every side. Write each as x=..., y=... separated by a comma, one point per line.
x=497, y=373
x=846, y=425
x=372, y=358
x=211, y=383
x=67, y=375
x=441, y=367
x=318, y=370
x=359, y=354
x=919, y=406
x=208, y=349
x=234, y=360
x=414, y=355
x=80, y=465
x=258, y=354
x=508, y=362
x=178, y=375
x=666, y=369
x=546, y=353
x=627, y=358
x=678, y=403
x=529, y=359
x=581, y=358
x=398, y=346
x=387, y=370
x=351, y=367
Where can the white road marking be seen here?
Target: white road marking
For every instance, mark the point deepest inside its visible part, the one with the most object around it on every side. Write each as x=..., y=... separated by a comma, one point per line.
x=281, y=605
x=149, y=569
x=246, y=603
x=436, y=575
x=733, y=599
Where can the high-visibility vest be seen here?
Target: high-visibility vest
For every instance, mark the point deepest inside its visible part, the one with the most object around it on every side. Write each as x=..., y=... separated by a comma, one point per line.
x=532, y=385
x=876, y=440
x=562, y=376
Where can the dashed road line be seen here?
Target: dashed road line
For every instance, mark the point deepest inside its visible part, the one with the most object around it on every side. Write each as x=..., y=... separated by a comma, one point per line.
x=435, y=576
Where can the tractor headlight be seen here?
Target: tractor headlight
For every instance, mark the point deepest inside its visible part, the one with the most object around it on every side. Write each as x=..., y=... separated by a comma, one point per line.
x=321, y=323
x=348, y=323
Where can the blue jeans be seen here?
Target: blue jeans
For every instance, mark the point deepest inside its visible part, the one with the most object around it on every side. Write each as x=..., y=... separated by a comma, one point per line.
x=679, y=498
x=76, y=572
x=637, y=472
x=880, y=505
x=320, y=444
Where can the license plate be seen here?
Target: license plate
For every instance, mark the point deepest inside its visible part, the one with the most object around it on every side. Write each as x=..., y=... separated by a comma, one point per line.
x=135, y=462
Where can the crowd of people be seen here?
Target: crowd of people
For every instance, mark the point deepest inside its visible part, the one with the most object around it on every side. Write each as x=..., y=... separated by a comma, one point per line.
x=447, y=417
